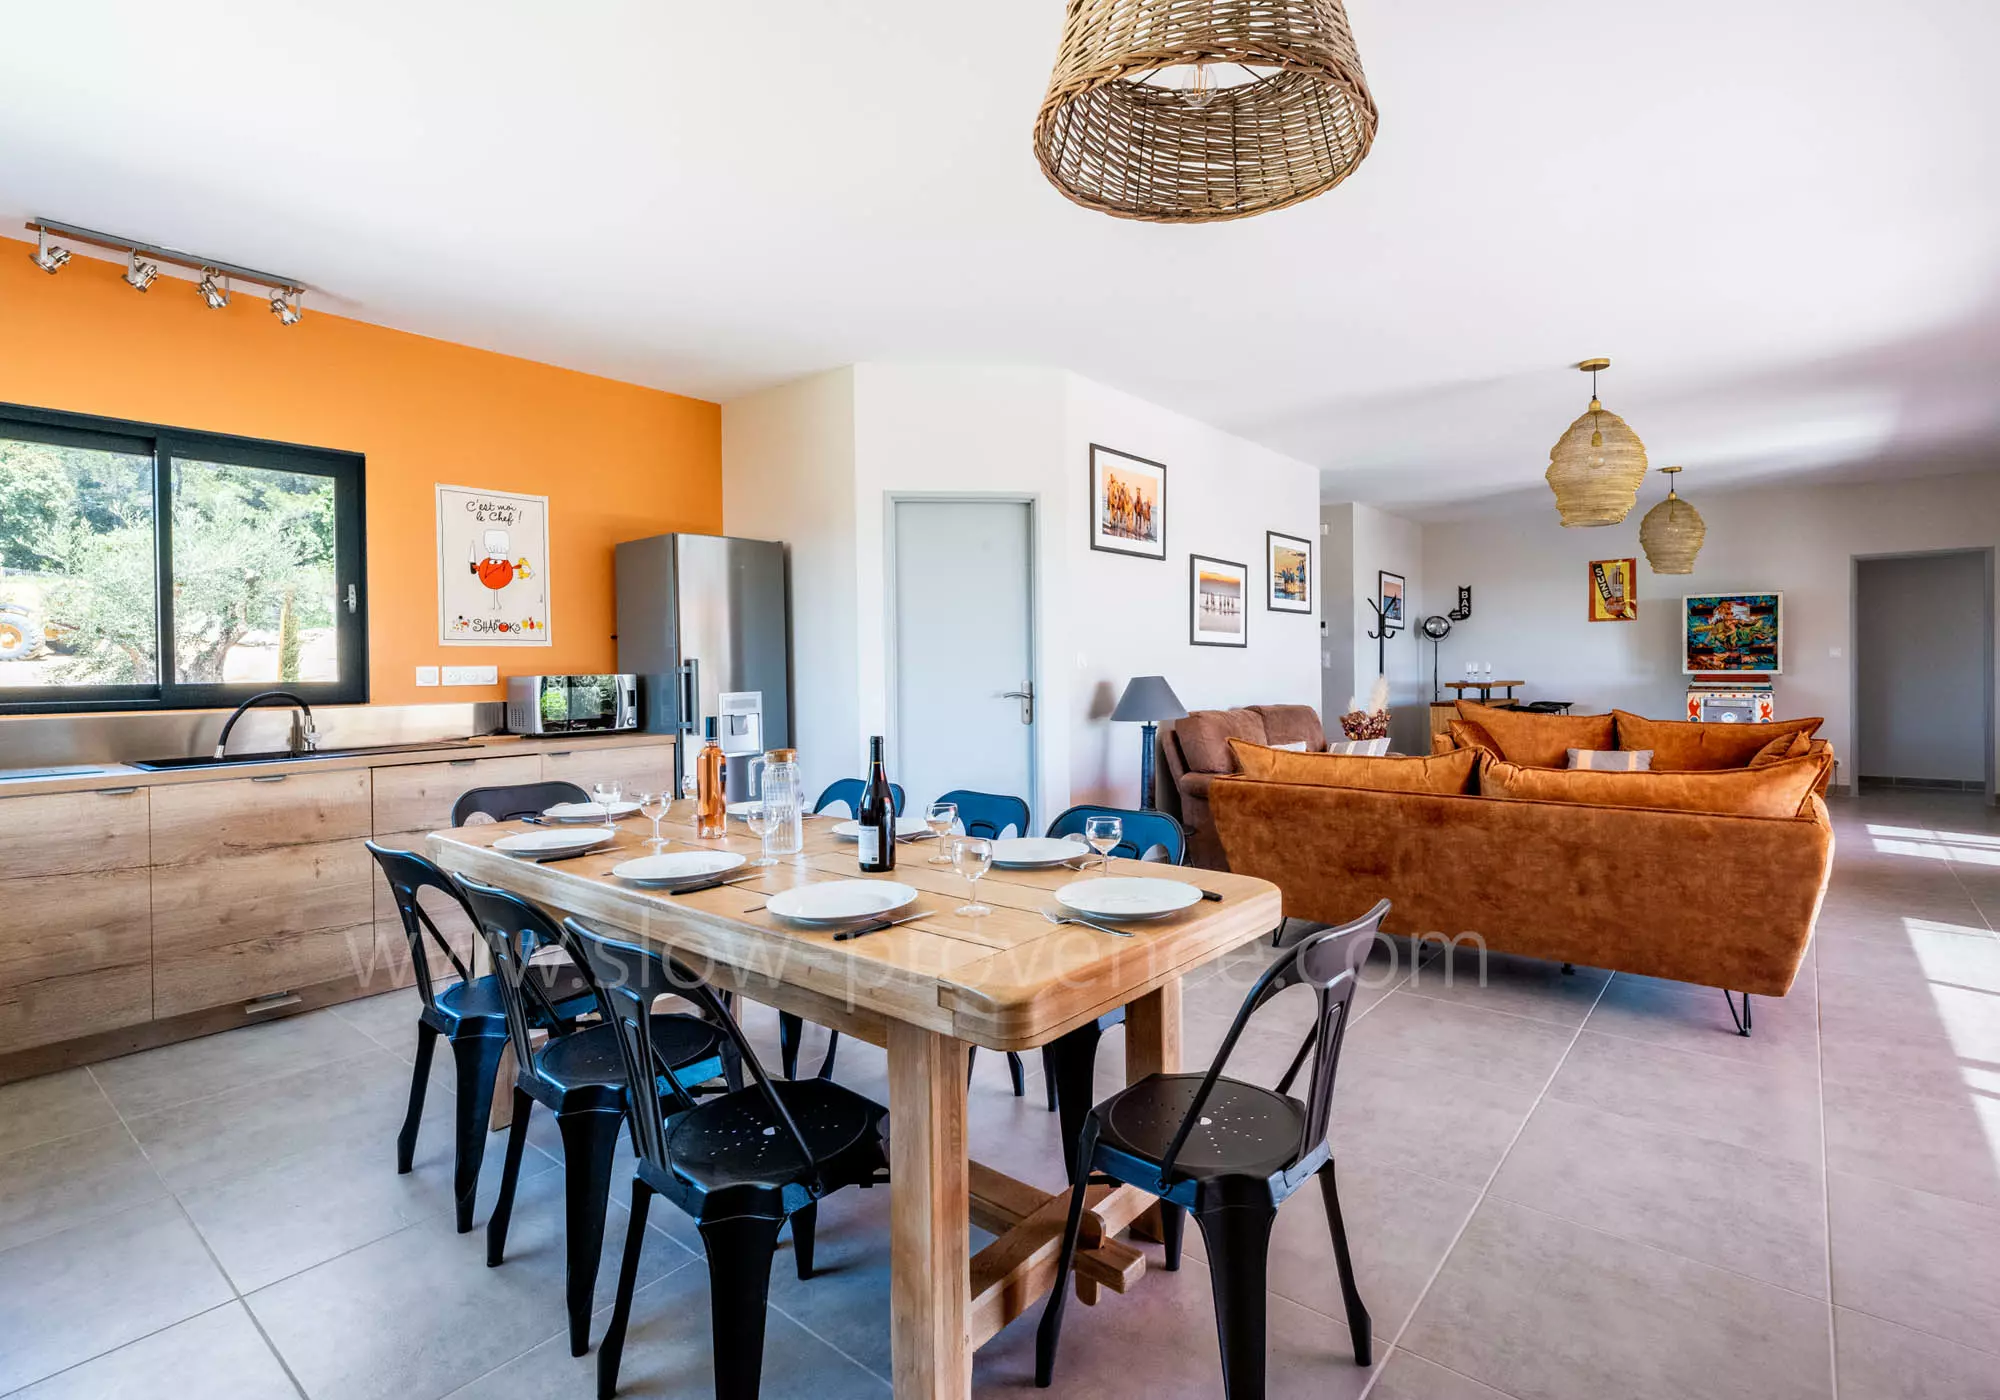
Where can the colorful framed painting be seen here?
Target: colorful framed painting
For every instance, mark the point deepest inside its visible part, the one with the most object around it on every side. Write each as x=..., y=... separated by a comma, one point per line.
x=493, y=568
x=1614, y=590
x=1128, y=504
x=1389, y=588
x=1288, y=573
x=1723, y=633
x=1217, y=591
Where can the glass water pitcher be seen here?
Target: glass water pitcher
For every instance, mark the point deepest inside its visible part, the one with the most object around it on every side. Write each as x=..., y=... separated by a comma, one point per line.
x=775, y=780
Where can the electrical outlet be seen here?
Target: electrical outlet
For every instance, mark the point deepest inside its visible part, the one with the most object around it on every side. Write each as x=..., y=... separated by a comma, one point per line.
x=427, y=675
x=1834, y=652
x=471, y=675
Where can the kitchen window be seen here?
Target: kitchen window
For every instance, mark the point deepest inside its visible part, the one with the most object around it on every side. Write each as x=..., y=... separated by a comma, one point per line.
x=146, y=567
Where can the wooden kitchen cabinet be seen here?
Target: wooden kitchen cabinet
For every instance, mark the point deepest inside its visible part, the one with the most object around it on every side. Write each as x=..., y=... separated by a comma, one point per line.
x=75, y=955
x=68, y=832
x=419, y=796
x=199, y=821
x=637, y=767
x=255, y=923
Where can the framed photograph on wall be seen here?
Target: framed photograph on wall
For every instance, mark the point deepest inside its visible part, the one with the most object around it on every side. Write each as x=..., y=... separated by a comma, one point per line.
x=1128, y=504
x=1614, y=590
x=1390, y=587
x=1288, y=573
x=1217, y=592
x=1725, y=632
x=493, y=568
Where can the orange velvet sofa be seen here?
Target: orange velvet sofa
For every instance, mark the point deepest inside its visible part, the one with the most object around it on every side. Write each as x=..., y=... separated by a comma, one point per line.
x=1194, y=751
x=1719, y=900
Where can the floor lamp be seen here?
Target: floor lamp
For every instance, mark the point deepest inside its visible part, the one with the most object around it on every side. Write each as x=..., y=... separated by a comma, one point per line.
x=1147, y=701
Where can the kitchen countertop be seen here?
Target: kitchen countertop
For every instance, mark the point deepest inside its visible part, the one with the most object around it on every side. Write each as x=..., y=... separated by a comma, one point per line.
x=121, y=775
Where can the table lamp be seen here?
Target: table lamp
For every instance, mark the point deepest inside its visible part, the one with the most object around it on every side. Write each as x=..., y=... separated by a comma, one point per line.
x=1148, y=700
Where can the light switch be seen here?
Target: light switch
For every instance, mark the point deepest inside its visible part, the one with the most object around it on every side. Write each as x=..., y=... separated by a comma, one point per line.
x=471, y=675
x=427, y=675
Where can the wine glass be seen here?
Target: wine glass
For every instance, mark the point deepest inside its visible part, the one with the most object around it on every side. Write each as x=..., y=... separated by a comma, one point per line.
x=1103, y=834
x=972, y=857
x=607, y=793
x=762, y=819
x=653, y=806
x=690, y=789
x=940, y=817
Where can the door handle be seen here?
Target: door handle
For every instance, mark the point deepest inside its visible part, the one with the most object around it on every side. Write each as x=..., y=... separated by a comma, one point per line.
x=1026, y=695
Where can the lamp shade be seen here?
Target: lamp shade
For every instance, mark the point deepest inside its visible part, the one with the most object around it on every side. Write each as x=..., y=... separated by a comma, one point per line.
x=1149, y=698
x=1672, y=532
x=1597, y=465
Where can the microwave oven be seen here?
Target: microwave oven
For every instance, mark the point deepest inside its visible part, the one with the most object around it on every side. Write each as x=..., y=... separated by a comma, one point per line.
x=572, y=704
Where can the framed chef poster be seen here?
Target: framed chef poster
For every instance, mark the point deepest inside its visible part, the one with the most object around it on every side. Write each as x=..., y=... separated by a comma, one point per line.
x=493, y=568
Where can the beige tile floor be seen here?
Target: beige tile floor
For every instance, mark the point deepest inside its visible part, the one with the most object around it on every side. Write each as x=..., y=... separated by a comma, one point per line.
x=1557, y=1187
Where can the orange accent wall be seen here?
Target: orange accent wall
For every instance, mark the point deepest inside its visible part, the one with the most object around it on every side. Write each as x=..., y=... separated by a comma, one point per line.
x=616, y=461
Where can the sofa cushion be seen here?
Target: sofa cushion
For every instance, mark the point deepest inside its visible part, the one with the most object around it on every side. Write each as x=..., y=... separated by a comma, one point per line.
x=1466, y=734
x=1540, y=741
x=1794, y=745
x=1204, y=737
x=1690, y=746
x=1611, y=760
x=1445, y=774
x=1444, y=743
x=1285, y=725
x=1776, y=790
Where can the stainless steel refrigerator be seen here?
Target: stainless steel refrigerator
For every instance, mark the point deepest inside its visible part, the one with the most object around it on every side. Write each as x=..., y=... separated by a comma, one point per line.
x=703, y=621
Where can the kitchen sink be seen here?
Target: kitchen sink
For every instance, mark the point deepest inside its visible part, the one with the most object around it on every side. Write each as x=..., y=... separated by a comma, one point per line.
x=235, y=760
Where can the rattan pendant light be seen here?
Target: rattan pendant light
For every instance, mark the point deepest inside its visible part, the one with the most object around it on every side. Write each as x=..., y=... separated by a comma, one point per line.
x=1193, y=111
x=1672, y=532
x=1597, y=467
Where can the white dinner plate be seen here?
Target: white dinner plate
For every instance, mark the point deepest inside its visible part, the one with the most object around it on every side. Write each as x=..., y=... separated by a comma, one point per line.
x=587, y=811
x=677, y=867
x=842, y=901
x=740, y=809
x=549, y=841
x=905, y=827
x=1128, y=897
x=1035, y=852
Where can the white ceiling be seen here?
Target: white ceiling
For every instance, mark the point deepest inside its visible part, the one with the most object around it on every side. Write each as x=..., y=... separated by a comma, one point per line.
x=1781, y=218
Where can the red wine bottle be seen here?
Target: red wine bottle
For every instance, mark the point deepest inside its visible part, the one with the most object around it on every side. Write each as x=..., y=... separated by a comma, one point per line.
x=877, y=816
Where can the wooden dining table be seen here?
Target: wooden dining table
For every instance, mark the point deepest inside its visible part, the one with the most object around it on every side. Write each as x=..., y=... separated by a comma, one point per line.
x=925, y=991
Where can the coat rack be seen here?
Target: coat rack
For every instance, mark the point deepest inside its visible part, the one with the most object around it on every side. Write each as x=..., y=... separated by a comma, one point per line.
x=1380, y=636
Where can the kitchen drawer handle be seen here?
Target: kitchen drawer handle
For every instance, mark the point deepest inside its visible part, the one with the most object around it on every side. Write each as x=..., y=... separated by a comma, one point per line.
x=556, y=753
x=116, y=792
x=271, y=778
x=271, y=1002
x=461, y=762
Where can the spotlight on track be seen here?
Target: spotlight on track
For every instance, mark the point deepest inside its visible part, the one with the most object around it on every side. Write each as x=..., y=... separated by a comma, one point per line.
x=139, y=275
x=49, y=260
x=285, y=305
x=213, y=291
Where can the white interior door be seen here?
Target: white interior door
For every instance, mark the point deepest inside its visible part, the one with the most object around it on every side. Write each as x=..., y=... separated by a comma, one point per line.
x=964, y=649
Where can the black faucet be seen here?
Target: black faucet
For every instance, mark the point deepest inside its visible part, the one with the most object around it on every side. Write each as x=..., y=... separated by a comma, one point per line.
x=303, y=739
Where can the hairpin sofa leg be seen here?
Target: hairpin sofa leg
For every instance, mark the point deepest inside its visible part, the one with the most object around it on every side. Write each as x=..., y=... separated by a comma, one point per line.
x=1743, y=1021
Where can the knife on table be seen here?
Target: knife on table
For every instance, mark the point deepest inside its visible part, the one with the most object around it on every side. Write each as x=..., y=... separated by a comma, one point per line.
x=846, y=935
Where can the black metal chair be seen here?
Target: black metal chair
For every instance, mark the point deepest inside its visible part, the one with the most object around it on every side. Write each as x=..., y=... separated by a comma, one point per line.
x=1144, y=831
x=848, y=792
x=989, y=814
x=581, y=1078
x=1232, y=1153
x=510, y=804
x=468, y=1014
x=739, y=1165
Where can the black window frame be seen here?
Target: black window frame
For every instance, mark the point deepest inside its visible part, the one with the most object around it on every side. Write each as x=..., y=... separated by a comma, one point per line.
x=348, y=472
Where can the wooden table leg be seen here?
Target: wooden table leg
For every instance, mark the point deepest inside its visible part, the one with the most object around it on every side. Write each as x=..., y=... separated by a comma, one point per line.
x=930, y=1222
x=1153, y=1046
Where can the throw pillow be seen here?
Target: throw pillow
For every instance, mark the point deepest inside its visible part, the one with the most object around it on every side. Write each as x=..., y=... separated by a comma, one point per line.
x=1540, y=741
x=1358, y=748
x=1776, y=790
x=1296, y=746
x=1680, y=745
x=1466, y=734
x=1445, y=774
x=1612, y=760
x=1442, y=743
x=1204, y=737
x=1785, y=746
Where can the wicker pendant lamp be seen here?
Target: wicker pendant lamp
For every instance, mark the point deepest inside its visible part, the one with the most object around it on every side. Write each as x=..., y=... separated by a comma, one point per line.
x=1672, y=532
x=1193, y=111
x=1597, y=467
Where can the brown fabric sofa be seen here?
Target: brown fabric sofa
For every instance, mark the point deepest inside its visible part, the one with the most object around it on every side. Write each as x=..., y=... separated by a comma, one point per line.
x=1194, y=751
x=1723, y=901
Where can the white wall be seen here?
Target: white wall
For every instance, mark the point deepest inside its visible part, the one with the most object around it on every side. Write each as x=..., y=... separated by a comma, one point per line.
x=788, y=474
x=1921, y=667
x=799, y=466
x=1529, y=580
x=1361, y=542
